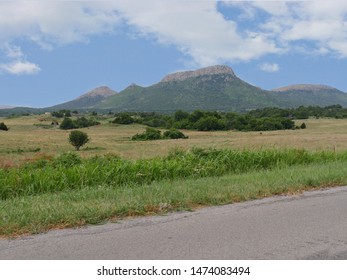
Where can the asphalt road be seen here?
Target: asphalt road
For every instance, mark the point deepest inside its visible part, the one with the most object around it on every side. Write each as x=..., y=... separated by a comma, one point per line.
x=308, y=226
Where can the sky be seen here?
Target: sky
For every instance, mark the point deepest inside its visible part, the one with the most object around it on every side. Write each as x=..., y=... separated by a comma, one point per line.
x=54, y=51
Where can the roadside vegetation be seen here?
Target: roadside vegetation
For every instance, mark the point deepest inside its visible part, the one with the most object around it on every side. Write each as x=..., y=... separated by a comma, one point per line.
x=69, y=191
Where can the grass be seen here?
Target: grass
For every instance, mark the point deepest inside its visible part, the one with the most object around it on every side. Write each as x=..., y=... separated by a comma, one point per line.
x=69, y=171
x=322, y=134
x=43, y=187
x=73, y=208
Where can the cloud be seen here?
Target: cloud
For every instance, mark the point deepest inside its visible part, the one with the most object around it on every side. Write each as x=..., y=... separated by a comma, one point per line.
x=51, y=23
x=20, y=67
x=198, y=29
x=320, y=26
x=269, y=67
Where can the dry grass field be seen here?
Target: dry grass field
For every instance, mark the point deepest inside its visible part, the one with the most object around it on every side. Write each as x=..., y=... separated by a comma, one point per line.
x=27, y=135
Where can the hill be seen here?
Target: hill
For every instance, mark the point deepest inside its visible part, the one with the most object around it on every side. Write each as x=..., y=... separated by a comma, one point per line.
x=211, y=88
x=88, y=100
x=308, y=94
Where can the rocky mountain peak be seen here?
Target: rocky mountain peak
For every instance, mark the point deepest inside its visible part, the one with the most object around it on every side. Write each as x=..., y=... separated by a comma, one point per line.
x=211, y=70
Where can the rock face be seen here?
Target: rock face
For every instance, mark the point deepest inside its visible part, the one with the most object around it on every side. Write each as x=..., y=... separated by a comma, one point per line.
x=212, y=70
x=304, y=87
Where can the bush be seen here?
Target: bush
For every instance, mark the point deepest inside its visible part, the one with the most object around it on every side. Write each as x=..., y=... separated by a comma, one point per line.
x=3, y=126
x=174, y=134
x=78, y=139
x=303, y=126
x=67, y=123
x=82, y=122
x=123, y=118
x=149, y=134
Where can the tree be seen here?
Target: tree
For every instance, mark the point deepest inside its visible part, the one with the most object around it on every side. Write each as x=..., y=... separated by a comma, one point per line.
x=78, y=139
x=209, y=123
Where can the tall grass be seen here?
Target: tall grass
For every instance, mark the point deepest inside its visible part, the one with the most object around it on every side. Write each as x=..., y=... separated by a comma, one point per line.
x=70, y=172
x=69, y=208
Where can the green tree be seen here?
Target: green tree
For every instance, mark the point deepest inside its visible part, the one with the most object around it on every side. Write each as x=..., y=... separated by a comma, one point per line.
x=180, y=115
x=209, y=123
x=78, y=139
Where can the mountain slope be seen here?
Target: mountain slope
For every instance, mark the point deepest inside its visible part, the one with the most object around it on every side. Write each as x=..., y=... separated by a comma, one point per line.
x=211, y=88
x=88, y=100
x=308, y=94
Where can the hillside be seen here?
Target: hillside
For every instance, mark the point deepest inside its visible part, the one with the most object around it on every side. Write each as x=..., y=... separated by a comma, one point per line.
x=308, y=94
x=211, y=88
x=88, y=100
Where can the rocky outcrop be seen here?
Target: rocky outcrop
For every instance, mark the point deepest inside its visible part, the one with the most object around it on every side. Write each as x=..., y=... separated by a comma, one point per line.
x=212, y=70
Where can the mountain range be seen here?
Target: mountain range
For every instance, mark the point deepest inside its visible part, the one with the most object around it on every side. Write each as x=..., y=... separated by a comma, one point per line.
x=211, y=88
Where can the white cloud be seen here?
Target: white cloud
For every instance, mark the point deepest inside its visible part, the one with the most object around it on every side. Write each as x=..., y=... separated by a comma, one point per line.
x=196, y=28
x=322, y=25
x=269, y=67
x=20, y=67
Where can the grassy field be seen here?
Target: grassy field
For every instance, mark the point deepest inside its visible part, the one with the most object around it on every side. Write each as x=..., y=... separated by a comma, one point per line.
x=42, y=187
x=19, y=144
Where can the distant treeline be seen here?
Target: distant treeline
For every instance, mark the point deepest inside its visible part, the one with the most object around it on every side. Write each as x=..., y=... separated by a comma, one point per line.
x=302, y=112
x=207, y=121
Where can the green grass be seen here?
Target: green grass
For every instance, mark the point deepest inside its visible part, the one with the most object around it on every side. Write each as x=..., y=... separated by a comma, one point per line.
x=70, y=191
x=92, y=205
x=70, y=172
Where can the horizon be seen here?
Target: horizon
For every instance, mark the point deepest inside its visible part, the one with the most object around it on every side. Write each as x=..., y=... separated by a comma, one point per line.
x=55, y=51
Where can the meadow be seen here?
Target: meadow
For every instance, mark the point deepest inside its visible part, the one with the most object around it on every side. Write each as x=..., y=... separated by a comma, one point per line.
x=29, y=134
x=44, y=184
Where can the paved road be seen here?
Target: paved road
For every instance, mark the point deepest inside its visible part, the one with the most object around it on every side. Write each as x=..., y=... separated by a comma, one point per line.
x=309, y=226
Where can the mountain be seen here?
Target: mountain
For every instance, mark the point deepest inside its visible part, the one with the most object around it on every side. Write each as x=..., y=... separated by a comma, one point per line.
x=88, y=100
x=308, y=94
x=211, y=88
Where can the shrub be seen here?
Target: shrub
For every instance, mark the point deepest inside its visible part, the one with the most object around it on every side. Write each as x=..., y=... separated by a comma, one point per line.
x=67, y=123
x=78, y=139
x=174, y=134
x=303, y=126
x=3, y=126
x=149, y=134
x=123, y=118
x=82, y=122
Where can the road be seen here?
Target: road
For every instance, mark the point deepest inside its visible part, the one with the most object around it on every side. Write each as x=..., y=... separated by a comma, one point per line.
x=312, y=225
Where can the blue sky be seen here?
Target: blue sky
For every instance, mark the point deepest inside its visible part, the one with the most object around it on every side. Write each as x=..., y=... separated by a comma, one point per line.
x=54, y=51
